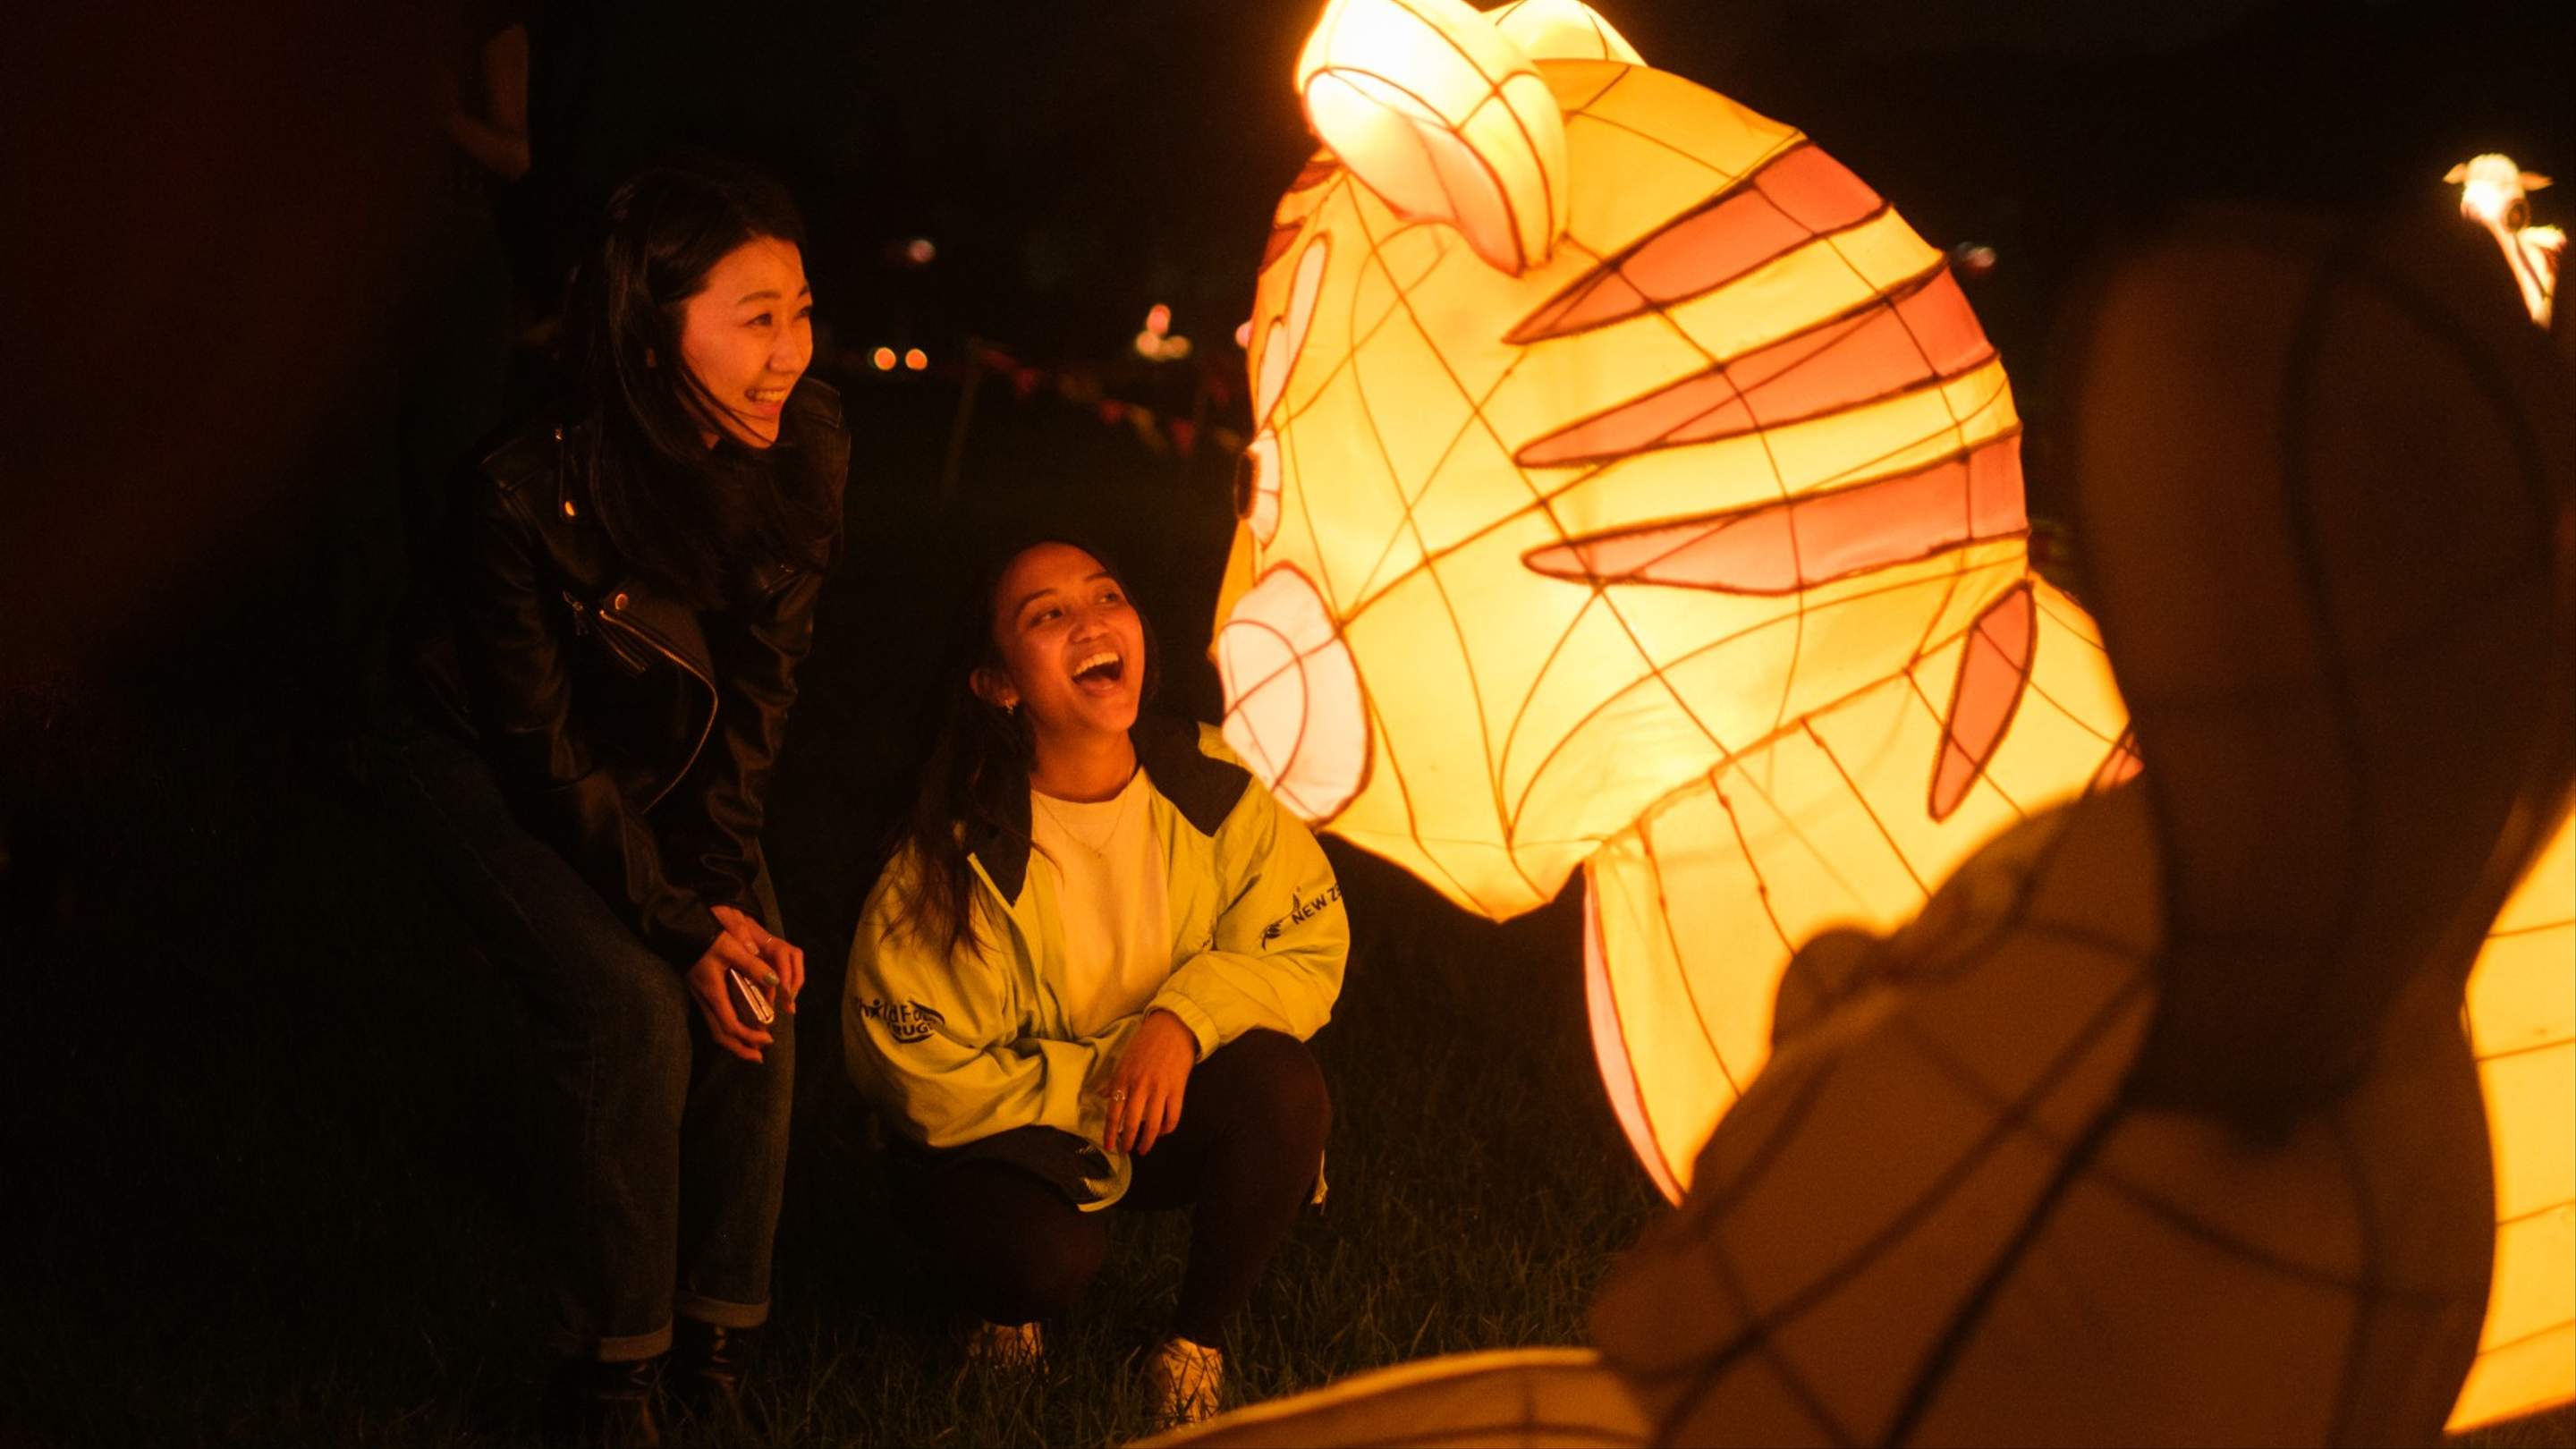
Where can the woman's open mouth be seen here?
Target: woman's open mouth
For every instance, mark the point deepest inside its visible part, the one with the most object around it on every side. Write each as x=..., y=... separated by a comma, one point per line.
x=1099, y=673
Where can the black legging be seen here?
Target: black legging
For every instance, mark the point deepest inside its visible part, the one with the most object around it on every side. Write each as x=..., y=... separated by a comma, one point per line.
x=1250, y=1140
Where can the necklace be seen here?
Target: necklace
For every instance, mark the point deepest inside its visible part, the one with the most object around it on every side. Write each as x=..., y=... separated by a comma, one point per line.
x=1117, y=819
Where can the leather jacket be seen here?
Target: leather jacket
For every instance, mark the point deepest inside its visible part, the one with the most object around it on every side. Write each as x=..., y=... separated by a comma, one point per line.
x=631, y=730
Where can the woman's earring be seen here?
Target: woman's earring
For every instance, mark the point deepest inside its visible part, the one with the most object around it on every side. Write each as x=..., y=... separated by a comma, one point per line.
x=1012, y=709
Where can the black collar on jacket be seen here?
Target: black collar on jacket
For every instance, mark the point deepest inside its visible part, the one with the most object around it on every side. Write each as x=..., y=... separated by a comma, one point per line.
x=813, y=439
x=1203, y=789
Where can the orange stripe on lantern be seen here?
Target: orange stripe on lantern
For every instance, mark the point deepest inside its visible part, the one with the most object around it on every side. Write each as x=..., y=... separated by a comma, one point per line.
x=1921, y=334
x=1992, y=674
x=1781, y=548
x=1770, y=213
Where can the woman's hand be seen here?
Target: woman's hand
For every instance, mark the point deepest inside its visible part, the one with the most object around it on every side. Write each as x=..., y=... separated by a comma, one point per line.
x=1145, y=1086
x=786, y=961
x=706, y=978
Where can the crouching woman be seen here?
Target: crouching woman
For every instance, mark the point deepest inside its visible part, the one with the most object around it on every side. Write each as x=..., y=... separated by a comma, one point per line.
x=604, y=662
x=1086, y=981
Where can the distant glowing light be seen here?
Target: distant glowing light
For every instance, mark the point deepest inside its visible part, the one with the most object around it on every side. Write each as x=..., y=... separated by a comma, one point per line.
x=1243, y=334
x=2496, y=194
x=916, y=359
x=883, y=357
x=2493, y=188
x=919, y=251
x=1972, y=259
x=1158, y=341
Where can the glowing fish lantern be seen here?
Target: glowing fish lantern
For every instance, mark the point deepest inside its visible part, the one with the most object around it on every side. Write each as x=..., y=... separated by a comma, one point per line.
x=2495, y=193
x=1633, y=490
x=2157, y=1124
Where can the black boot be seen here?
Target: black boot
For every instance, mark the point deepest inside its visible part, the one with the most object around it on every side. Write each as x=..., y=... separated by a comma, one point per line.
x=606, y=1405
x=708, y=1365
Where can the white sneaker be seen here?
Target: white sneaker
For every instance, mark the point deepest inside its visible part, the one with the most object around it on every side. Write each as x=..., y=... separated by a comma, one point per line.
x=1006, y=1347
x=1184, y=1383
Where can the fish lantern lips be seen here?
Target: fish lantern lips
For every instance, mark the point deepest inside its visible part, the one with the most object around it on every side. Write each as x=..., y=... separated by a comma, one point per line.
x=1294, y=709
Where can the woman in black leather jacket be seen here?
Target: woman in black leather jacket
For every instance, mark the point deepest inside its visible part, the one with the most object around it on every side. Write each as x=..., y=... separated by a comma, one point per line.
x=627, y=590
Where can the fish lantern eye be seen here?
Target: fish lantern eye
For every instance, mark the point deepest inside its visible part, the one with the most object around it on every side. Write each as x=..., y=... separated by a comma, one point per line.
x=1246, y=475
x=1256, y=487
x=2517, y=214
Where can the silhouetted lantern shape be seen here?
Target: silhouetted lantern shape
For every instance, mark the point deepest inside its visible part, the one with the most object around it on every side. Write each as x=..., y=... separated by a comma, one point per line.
x=1633, y=490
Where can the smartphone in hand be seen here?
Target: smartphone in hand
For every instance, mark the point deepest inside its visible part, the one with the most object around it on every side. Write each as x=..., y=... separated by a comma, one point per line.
x=754, y=1005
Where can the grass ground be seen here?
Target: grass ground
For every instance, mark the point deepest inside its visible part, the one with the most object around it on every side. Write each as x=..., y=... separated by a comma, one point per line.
x=271, y=1192
x=261, y=1177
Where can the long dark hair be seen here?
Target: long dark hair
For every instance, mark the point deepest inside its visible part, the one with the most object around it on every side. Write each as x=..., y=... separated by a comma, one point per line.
x=690, y=516
x=976, y=781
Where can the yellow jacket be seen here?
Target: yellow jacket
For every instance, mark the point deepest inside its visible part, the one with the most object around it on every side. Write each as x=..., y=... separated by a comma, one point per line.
x=959, y=1051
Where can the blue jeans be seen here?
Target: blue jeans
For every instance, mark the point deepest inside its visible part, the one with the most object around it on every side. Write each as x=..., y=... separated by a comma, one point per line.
x=660, y=1156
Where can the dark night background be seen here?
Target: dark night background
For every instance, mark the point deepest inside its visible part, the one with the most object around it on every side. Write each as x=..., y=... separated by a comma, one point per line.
x=243, y=1035
x=216, y=209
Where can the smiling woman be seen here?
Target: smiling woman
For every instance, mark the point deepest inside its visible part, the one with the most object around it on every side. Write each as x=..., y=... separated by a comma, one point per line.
x=746, y=337
x=1098, y=918
x=703, y=265
x=603, y=678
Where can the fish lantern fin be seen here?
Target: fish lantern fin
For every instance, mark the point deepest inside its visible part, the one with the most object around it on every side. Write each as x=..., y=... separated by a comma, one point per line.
x=2533, y=181
x=2456, y=174
x=1445, y=118
x=1562, y=30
